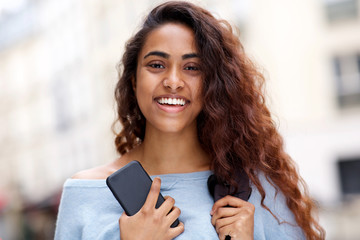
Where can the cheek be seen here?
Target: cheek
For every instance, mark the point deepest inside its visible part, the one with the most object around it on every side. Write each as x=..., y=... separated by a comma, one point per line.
x=143, y=96
x=197, y=91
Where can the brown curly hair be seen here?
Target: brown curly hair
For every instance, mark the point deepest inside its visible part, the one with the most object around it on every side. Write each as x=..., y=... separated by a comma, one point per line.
x=235, y=126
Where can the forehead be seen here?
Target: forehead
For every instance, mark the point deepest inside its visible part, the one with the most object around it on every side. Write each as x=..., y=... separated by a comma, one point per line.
x=173, y=38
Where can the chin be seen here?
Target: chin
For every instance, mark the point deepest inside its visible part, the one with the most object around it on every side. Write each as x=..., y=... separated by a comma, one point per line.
x=171, y=129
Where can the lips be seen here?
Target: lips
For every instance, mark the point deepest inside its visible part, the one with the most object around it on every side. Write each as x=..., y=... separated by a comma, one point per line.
x=171, y=104
x=171, y=101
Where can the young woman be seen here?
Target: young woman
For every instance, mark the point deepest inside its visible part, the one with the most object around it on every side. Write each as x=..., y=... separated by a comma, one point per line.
x=191, y=105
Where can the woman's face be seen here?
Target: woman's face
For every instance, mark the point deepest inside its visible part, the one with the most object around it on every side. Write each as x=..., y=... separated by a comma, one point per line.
x=168, y=79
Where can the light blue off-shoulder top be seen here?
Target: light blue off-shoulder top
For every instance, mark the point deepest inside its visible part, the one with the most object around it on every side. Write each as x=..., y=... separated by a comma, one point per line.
x=88, y=210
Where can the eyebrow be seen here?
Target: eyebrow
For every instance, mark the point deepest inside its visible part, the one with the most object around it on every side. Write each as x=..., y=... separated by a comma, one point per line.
x=167, y=56
x=190, y=55
x=157, y=53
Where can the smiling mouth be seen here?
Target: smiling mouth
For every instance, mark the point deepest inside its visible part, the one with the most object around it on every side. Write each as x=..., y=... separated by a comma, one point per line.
x=172, y=101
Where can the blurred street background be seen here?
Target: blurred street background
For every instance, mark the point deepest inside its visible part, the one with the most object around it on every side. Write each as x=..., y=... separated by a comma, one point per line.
x=57, y=76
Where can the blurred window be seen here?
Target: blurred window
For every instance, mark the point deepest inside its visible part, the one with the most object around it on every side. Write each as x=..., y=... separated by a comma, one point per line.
x=347, y=74
x=341, y=9
x=62, y=104
x=17, y=21
x=349, y=170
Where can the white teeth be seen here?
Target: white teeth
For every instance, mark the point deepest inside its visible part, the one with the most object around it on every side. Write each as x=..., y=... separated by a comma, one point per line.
x=172, y=101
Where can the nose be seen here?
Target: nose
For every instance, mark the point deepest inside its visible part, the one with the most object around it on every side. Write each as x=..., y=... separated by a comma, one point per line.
x=173, y=80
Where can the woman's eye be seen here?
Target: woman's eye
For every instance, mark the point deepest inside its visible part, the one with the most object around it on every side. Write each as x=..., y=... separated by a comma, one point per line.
x=192, y=68
x=156, y=65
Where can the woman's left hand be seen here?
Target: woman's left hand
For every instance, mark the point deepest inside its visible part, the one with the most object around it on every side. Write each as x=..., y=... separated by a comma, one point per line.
x=237, y=221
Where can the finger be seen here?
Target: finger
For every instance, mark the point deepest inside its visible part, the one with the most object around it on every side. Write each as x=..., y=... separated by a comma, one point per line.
x=226, y=231
x=228, y=201
x=176, y=231
x=123, y=217
x=222, y=222
x=224, y=212
x=153, y=194
x=167, y=205
x=173, y=215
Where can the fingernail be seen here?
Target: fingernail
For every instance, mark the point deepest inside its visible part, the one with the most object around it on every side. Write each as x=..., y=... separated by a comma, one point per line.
x=211, y=212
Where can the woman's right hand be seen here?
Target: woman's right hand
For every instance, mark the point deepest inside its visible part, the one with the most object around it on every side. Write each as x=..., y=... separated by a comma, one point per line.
x=149, y=222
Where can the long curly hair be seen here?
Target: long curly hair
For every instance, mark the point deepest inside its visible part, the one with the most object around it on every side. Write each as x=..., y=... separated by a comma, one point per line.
x=235, y=126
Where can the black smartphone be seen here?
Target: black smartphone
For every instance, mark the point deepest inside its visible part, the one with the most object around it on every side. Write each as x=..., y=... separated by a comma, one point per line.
x=131, y=185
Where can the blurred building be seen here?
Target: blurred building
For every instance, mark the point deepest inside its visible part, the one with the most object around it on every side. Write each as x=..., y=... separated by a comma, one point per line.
x=310, y=51
x=57, y=71
x=57, y=76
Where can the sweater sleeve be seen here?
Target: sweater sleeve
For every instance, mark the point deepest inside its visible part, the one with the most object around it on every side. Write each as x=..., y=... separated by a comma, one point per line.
x=266, y=225
x=87, y=210
x=69, y=220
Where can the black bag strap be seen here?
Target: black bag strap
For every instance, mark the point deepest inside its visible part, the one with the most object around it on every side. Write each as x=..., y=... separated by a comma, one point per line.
x=219, y=189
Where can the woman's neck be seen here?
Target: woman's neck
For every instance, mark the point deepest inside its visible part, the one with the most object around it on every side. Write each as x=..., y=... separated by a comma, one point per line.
x=164, y=153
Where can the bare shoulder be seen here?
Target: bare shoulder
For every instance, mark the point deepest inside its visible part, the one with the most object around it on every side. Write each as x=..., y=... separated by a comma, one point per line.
x=101, y=172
